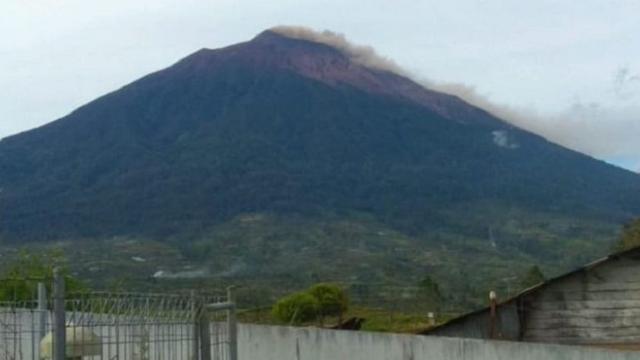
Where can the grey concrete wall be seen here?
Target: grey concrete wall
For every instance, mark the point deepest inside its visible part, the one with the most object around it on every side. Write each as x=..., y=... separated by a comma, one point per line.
x=258, y=342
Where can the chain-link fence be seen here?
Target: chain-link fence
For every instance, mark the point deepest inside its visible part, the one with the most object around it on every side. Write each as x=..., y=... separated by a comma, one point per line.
x=118, y=326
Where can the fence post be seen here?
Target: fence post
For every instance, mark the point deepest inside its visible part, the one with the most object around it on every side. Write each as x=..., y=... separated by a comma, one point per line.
x=42, y=308
x=196, y=326
x=493, y=301
x=232, y=325
x=59, y=328
x=204, y=335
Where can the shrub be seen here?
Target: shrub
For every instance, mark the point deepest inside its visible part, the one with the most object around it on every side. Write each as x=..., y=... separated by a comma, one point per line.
x=533, y=276
x=630, y=236
x=20, y=276
x=429, y=292
x=333, y=301
x=296, y=308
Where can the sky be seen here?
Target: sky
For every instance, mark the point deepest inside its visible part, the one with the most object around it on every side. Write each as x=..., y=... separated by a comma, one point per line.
x=571, y=68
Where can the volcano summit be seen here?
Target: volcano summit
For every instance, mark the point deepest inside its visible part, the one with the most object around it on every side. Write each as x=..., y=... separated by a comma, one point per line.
x=294, y=128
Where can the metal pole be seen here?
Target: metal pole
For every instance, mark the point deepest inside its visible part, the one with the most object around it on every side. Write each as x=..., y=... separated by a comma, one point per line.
x=232, y=325
x=204, y=333
x=493, y=300
x=432, y=318
x=196, y=326
x=42, y=308
x=59, y=328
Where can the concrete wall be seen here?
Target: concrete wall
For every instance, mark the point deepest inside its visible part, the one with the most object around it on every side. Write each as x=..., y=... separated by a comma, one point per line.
x=257, y=342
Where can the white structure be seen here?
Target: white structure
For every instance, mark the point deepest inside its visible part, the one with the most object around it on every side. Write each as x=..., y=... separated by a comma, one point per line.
x=80, y=342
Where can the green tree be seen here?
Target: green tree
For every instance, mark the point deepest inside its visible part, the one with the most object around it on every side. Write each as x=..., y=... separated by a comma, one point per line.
x=630, y=236
x=296, y=308
x=332, y=299
x=429, y=292
x=19, y=279
x=532, y=277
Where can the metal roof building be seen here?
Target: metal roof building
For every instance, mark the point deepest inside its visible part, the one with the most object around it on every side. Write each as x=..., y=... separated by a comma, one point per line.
x=598, y=304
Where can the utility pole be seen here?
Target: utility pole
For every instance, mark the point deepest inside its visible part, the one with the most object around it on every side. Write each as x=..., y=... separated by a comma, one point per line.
x=42, y=309
x=59, y=320
x=232, y=325
x=493, y=301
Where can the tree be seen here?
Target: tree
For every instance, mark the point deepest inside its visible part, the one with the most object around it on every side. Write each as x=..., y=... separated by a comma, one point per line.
x=533, y=276
x=19, y=279
x=630, y=236
x=296, y=308
x=429, y=291
x=332, y=299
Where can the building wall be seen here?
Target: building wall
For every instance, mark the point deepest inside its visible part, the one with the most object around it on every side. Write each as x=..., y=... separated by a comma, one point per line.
x=287, y=343
x=597, y=306
x=476, y=326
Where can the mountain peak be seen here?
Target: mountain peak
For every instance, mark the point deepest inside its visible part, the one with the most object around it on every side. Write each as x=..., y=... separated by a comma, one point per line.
x=272, y=36
x=276, y=39
x=305, y=130
x=289, y=122
x=328, y=57
x=363, y=55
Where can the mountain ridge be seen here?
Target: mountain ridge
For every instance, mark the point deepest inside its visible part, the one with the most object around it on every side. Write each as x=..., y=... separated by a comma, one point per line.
x=289, y=129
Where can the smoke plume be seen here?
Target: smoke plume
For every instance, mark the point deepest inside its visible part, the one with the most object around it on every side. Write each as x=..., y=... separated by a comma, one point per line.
x=589, y=128
x=364, y=55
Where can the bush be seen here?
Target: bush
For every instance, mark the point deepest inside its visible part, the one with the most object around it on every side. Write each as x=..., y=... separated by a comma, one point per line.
x=630, y=236
x=429, y=292
x=296, y=308
x=532, y=277
x=331, y=298
x=18, y=281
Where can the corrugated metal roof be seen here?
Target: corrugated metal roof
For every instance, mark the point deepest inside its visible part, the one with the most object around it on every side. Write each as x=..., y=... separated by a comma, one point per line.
x=537, y=287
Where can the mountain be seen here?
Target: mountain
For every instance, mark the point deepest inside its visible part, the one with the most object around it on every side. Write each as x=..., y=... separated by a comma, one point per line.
x=284, y=128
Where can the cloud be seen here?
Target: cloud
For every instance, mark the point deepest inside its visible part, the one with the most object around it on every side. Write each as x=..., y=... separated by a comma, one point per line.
x=625, y=83
x=598, y=130
x=590, y=128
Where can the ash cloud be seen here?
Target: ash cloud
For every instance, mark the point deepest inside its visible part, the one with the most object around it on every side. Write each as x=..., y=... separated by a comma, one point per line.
x=591, y=128
x=364, y=55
